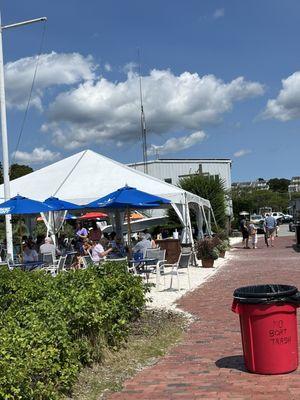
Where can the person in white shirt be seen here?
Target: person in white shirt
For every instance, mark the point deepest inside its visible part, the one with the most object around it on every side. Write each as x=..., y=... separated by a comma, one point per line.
x=49, y=247
x=142, y=245
x=98, y=252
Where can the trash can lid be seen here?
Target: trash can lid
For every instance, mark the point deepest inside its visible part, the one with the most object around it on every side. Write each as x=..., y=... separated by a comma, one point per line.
x=261, y=293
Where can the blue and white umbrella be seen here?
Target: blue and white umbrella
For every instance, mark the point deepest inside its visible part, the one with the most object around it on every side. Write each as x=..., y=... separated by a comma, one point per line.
x=129, y=197
x=59, y=205
x=20, y=205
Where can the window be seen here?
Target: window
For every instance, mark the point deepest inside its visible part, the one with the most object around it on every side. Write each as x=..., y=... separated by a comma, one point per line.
x=168, y=180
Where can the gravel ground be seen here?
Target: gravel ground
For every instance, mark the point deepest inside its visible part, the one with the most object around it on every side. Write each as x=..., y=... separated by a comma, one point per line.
x=166, y=297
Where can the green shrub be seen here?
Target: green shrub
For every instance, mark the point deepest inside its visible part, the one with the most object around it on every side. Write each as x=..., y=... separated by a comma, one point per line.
x=51, y=327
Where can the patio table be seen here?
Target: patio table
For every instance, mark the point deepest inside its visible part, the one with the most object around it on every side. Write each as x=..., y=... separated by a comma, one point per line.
x=29, y=265
x=140, y=266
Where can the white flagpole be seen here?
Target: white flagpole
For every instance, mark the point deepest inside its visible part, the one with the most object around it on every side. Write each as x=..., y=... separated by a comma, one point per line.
x=5, y=154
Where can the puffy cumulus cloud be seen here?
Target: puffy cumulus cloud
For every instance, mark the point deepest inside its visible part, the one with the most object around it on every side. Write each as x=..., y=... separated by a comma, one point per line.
x=242, y=152
x=101, y=111
x=53, y=69
x=219, y=13
x=286, y=106
x=39, y=155
x=174, y=144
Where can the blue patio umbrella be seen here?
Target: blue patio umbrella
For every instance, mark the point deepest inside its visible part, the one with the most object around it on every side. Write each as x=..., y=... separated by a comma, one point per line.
x=59, y=205
x=129, y=197
x=19, y=205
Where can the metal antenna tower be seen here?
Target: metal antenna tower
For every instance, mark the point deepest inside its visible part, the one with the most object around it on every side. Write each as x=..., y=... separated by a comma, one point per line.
x=143, y=121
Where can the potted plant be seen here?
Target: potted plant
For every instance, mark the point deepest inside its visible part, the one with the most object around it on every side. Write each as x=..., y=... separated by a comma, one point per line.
x=207, y=251
x=223, y=247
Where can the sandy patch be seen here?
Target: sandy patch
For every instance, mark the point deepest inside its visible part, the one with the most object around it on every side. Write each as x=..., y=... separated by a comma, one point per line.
x=164, y=295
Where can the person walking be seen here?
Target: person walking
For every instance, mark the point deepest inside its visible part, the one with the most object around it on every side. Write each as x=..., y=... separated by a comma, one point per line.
x=253, y=234
x=245, y=233
x=270, y=229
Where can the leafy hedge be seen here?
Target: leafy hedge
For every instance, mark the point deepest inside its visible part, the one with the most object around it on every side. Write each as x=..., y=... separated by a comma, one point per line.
x=51, y=327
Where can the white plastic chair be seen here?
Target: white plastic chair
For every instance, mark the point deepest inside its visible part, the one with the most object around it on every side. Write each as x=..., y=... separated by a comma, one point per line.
x=183, y=262
x=48, y=258
x=158, y=266
x=56, y=268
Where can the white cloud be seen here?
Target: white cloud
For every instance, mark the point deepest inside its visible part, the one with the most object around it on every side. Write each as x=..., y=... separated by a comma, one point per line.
x=286, y=106
x=102, y=111
x=174, y=144
x=242, y=152
x=219, y=13
x=53, y=69
x=107, y=67
x=39, y=155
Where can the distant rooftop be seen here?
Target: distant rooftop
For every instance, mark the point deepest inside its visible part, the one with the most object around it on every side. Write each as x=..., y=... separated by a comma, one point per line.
x=198, y=160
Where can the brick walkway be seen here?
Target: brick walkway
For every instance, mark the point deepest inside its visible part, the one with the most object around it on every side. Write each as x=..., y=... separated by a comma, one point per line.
x=208, y=364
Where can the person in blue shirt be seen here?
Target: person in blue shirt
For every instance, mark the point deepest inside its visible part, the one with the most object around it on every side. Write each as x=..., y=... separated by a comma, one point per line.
x=270, y=225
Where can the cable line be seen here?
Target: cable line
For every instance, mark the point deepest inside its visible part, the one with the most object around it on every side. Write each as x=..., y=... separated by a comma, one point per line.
x=30, y=92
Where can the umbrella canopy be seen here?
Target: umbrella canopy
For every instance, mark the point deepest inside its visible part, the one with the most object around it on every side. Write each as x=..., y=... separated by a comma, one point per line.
x=59, y=205
x=23, y=205
x=93, y=215
x=129, y=197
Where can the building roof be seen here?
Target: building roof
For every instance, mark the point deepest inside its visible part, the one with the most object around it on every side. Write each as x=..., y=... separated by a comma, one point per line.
x=87, y=176
x=185, y=160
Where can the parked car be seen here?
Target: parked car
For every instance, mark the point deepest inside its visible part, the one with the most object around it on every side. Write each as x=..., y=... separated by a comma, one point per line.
x=279, y=216
x=288, y=218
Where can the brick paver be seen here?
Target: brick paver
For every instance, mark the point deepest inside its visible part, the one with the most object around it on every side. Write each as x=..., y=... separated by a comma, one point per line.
x=208, y=363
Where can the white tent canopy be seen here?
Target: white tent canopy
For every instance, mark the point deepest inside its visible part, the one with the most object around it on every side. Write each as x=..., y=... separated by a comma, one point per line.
x=87, y=175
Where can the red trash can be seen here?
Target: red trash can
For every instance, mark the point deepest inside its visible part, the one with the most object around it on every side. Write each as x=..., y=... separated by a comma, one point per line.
x=268, y=320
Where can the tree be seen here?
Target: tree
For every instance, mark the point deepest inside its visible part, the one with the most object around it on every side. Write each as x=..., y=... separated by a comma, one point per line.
x=209, y=188
x=252, y=201
x=279, y=185
x=16, y=171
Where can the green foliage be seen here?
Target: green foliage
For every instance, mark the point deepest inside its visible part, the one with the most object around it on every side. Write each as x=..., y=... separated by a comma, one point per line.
x=252, y=201
x=207, y=248
x=16, y=171
x=51, y=327
x=223, y=246
x=279, y=184
x=211, y=189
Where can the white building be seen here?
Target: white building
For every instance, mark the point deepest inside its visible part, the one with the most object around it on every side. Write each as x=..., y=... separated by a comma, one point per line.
x=294, y=186
x=258, y=184
x=172, y=170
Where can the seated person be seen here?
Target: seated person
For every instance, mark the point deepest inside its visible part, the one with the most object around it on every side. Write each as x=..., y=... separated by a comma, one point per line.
x=104, y=241
x=49, y=247
x=112, y=239
x=118, y=248
x=149, y=237
x=87, y=247
x=29, y=254
x=98, y=253
x=81, y=235
x=95, y=233
x=142, y=245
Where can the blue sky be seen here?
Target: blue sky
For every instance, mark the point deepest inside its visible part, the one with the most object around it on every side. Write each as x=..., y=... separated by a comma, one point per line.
x=221, y=79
